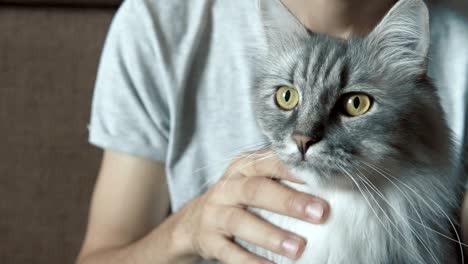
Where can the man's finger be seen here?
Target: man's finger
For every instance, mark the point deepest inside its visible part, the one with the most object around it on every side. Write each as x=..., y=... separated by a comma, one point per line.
x=248, y=227
x=264, y=164
x=230, y=253
x=264, y=193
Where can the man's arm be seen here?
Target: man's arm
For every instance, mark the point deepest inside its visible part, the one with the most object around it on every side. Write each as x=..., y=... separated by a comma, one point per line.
x=130, y=199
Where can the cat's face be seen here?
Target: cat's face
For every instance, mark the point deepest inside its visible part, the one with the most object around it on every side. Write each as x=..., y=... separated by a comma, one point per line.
x=337, y=106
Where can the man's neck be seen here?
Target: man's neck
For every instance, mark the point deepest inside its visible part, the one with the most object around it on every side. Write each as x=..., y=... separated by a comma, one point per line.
x=340, y=18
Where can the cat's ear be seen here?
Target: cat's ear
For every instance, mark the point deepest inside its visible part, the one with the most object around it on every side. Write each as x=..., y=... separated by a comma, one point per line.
x=279, y=24
x=403, y=34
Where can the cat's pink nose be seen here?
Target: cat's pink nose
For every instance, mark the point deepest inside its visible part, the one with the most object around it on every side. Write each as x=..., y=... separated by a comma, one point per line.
x=303, y=142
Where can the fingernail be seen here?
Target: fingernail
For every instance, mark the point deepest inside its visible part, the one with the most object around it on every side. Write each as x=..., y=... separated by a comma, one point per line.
x=291, y=246
x=314, y=211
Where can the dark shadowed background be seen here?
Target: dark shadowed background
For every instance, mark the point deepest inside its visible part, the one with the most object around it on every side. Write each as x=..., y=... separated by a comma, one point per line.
x=49, y=52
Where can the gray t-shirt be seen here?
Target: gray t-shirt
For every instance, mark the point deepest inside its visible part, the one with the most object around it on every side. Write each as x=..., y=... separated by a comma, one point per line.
x=173, y=85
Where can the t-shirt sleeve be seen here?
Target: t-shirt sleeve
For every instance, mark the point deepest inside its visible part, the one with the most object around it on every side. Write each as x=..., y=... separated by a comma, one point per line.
x=129, y=111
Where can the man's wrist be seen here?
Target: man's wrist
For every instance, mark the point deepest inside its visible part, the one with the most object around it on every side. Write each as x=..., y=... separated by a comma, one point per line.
x=175, y=238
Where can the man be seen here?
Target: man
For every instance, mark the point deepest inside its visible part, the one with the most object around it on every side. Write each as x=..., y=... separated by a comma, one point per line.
x=171, y=98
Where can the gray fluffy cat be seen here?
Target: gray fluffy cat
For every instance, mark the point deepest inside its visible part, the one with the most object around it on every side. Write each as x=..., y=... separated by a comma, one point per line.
x=359, y=122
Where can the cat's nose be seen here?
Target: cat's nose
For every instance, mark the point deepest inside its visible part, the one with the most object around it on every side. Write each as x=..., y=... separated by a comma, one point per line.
x=303, y=142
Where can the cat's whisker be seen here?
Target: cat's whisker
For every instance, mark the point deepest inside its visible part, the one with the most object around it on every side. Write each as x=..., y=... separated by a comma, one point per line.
x=225, y=162
x=401, y=191
x=428, y=228
x=388, y=173
x=412, y=230
x=458, y=240
x=389, y=219
x=242, y=165
x=251, y=147
x=235, y=154
x=411, y=204
x=409, y=201
x=370, y=206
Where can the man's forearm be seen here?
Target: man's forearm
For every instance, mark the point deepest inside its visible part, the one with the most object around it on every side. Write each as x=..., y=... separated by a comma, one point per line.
x=163, y=245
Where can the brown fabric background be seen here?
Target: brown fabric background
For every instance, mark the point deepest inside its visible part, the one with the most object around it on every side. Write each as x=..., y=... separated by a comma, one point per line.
x=109, y=3
x=48, y=62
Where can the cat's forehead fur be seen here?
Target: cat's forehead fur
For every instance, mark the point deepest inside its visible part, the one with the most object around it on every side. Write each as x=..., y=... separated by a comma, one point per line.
x=324, y=66
x=320, y=66
x=293, y=49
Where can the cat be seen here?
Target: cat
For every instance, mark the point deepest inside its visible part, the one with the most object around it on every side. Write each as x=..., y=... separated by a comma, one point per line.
x=359, y=121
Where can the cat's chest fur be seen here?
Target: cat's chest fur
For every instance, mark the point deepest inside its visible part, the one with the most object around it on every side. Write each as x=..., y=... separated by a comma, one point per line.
x=351, y=234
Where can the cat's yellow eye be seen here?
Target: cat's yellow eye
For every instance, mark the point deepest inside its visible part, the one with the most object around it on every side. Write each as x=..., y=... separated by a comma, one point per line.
x=287, y=98
x=357, y=104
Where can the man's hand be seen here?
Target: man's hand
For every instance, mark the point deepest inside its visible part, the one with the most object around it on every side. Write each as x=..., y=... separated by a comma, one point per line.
x=211, y=221
x=131, y=198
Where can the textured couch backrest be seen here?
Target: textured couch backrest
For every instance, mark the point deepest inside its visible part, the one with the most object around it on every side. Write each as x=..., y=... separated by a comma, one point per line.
x=48, y=60
x=113, y=3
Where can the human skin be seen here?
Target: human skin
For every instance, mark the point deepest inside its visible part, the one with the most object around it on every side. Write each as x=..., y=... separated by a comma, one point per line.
x=340, y=18
x=205, y=226
x=126, y=185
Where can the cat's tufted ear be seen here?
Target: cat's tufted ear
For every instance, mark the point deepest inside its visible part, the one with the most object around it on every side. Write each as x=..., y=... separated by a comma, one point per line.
x=279, y=24
x=403, y=34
